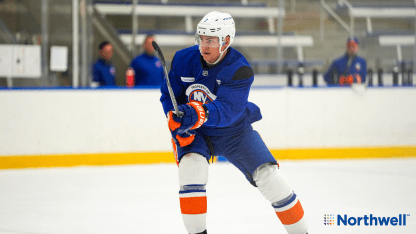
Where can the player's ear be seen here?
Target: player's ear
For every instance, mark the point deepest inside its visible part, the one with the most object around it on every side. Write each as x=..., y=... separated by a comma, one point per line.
x=225, y=43
x=227, y=40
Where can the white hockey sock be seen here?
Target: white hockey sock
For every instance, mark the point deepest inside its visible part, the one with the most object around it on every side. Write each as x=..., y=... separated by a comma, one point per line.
x=193, y=177
x=194, y=211
x=275, y=188
x=291, y=214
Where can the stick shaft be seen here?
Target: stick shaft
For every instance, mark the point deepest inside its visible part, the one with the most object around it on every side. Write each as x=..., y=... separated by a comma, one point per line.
x=171, y=94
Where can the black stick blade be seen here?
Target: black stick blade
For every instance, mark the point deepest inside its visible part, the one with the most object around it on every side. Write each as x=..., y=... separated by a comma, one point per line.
x=158, y=51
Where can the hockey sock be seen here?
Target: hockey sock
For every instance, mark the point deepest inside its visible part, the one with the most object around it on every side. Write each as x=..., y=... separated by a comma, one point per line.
x=193, y=177
x=275, y=188
x=193, y=203
x=290, y=213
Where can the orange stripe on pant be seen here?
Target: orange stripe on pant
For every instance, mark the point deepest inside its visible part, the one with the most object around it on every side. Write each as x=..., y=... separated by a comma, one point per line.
x=193, y=205
x=291, y=216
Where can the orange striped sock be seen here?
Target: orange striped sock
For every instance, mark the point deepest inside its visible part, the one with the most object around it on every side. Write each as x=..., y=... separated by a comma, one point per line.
x=291, y=214
x=193, y=205
x=193, y=201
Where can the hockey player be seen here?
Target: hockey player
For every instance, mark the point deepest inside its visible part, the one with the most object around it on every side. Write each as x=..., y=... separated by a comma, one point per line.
x=349, y=68
x=211, y=82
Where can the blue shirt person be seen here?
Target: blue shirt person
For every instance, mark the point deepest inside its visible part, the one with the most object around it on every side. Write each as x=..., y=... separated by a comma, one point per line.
x=147, y=67
x=104, y=72
x=349, y=68
x=211, y=83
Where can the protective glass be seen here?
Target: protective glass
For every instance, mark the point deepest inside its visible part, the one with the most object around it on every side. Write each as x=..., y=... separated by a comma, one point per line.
x=207, y=41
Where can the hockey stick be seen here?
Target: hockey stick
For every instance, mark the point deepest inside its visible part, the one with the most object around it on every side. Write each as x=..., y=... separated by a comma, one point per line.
x=172, y=96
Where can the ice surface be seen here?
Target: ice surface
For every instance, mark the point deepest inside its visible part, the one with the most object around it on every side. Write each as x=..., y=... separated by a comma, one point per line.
x=144, y=198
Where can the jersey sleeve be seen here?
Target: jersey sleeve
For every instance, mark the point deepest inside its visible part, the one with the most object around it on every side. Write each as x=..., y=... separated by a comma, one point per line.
x=232, y=99
x=177, y=88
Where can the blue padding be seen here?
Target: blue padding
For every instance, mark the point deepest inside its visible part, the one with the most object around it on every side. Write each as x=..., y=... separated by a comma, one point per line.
x=122, y=88
x=125, y=89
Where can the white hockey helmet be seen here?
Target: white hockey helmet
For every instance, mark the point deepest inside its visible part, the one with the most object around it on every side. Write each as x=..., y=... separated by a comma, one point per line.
x=216, y=24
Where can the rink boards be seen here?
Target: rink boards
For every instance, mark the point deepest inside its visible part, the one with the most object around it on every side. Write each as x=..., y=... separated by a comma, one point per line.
x=66, y=127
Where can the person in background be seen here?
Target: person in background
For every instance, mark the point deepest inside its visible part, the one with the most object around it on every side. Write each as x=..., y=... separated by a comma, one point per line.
x=104, y=72
x=349, y=68
x=148, y=69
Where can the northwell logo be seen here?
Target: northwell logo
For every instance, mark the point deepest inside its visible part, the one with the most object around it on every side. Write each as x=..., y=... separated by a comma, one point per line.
x=365, y=220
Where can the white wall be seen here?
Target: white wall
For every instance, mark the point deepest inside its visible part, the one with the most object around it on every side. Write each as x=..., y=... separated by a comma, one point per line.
x=131, y=120
x=339, y=117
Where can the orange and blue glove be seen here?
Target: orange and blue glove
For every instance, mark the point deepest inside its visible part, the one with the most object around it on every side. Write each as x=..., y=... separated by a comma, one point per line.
x=194, y=116
x=183, y=139
x=348, y=80
x=183, y=128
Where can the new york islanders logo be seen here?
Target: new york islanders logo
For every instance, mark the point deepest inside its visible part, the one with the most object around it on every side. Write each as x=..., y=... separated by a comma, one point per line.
x=358, y=66
x=200, y=93
x=113, y=70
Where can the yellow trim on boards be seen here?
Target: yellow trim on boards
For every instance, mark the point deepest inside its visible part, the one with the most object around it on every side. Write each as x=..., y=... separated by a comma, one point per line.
x=109, y=159
x=71, y=160
x=345, y=153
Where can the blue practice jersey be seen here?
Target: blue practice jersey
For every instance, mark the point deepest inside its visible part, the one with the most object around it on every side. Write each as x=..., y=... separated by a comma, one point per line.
x=223, y=88
x=339, y=67
x=104, y=72
x=148, y=70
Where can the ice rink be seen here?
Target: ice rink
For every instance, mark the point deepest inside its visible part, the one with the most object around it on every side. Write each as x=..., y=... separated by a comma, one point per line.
x=144, y=198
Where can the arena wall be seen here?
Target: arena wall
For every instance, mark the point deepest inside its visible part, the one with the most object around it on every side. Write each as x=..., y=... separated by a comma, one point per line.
x=67, y=127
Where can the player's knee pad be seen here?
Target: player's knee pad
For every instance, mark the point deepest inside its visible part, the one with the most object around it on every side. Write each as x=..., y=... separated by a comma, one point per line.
x=193, y=169
x=272, y=183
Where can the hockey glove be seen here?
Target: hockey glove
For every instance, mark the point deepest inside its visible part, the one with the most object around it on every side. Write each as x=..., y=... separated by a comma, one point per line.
x=345, y=80
x=194, y=116
x=183, y=139
x=348, y=80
